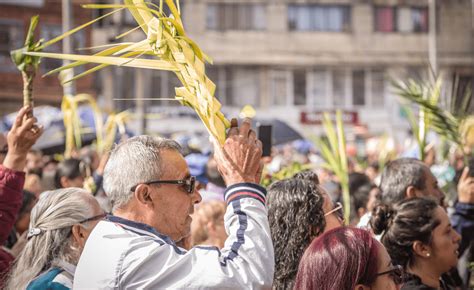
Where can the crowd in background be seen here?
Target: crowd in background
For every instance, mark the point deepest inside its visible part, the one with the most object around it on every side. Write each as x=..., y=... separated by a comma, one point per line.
x=404, y=228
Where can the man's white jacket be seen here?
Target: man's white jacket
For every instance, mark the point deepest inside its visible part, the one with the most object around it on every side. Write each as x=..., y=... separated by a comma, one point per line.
x=123, y=254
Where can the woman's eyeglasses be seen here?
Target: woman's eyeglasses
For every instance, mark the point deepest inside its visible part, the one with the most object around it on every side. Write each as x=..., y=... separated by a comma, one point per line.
x=337, y=210
x=395, y=273
x=188, y=183
x=97, y=217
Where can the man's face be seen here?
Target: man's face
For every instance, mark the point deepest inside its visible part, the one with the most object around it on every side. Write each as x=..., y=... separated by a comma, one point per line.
x=172, y=204
x=431, y=187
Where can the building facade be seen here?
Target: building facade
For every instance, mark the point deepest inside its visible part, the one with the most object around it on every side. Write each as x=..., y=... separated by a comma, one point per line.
x=294, y=59
x=14, y=22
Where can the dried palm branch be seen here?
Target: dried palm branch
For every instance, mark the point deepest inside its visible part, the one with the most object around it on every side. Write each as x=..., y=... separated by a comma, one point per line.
x=167, y=42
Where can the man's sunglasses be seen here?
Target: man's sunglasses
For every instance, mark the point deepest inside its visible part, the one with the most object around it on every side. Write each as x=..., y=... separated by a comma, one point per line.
x=395, y=273
x=188, y=184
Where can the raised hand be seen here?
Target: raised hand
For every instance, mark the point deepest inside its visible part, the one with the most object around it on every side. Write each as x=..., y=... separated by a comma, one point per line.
x=22, y=136
x=239, y=160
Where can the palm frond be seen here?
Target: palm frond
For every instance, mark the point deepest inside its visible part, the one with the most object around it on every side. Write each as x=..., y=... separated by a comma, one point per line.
x=165, y=40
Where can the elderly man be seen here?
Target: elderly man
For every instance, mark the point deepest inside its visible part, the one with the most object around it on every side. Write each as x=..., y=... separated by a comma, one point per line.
x=153, y=196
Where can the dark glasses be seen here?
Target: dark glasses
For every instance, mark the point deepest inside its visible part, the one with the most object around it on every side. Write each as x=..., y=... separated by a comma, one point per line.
x=395, y=273
x=97, y=217
x=337, y=210
x=188, y=184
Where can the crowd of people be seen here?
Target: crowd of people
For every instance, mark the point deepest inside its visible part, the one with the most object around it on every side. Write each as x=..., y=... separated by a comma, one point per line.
x=147, y=216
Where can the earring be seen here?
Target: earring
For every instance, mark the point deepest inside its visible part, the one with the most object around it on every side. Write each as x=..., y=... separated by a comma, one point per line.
x=428, y=254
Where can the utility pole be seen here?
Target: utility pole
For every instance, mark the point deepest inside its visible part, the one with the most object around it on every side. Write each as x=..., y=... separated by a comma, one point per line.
x=67, y=21
x=432, y=37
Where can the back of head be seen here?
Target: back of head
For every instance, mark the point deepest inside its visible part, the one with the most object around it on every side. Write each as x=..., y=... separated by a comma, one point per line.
x=131, y=162
x=339, y=259
x=296, y=216
x=49, y=235
x=69, y=168
x=308, y=175
x=398, y=175
x=207, y=212
x=409, y=221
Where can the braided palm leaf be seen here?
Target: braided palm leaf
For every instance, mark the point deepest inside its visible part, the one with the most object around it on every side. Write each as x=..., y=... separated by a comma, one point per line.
x=167, y=42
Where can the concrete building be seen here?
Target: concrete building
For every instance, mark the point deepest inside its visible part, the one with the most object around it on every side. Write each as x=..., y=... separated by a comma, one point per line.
x=294, y=59
x=14, y=21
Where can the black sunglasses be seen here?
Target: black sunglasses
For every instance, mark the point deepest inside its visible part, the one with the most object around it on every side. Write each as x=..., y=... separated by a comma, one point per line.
x=395, y=273
x=188, y=183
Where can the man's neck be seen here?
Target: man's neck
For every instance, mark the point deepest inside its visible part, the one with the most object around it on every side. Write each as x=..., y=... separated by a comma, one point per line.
x=427, y=274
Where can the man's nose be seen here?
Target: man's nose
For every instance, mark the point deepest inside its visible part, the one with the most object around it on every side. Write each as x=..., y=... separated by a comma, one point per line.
x=197, y=196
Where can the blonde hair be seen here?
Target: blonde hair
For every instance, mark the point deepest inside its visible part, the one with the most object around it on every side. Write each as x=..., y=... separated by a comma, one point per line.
x=212, y=211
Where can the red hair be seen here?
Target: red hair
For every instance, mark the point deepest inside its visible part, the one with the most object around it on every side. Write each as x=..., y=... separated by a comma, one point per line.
x=339, y=259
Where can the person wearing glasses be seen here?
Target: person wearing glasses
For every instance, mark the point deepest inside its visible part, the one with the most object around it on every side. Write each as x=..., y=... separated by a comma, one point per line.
x=347, y=258
x=60, y=224
x=153, y=197
x=418, y=236
x=299, y=210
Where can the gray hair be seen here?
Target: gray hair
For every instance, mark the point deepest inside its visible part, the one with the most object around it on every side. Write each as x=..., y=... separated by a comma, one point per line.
x=134, y=161
x=398, y=175
x=54, y=215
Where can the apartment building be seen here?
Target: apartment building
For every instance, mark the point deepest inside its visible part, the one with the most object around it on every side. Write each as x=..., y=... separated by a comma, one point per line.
x=295, y=59
x=14, y=22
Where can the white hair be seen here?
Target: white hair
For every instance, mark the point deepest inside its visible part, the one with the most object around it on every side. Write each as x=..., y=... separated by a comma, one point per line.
x=53, y=217
x=134, y=161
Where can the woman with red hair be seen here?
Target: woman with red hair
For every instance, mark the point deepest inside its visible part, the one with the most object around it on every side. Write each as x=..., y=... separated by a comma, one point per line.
x=347, y=258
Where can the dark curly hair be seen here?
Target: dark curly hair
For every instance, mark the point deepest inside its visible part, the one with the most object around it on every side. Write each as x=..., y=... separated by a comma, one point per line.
x=307, y=174
x=296, y=216
x=409, y=221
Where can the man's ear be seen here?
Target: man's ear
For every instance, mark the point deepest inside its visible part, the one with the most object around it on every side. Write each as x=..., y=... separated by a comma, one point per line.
x=421, y=249
x=142, y=194
x=64, y=182
x=412, y=192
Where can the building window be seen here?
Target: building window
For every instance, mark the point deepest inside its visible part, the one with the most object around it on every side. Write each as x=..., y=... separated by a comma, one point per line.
x=280, y=87
x=242, y=86
x=400, y=19
x=334, y=18
x=318, y=89
x=233, y=16
x=339, y=88
x=419, y=17
x=385, y=19
x=299, y=87
x=11, y=37
x=50, y=31
x=378, y=87
x=358, y=88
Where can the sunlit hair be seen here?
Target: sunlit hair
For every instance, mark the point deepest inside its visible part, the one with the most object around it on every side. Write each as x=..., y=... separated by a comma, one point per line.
x=401, y=225
x=296, y=216
x=131, y=162
x=54, y=214
x=339, y=259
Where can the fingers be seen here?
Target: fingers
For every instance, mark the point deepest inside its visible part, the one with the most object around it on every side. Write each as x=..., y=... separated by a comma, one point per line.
x=19, y=118
x=28, y=125
x=245, y=127
x=234, y=127
x=252, y=136
x=465, y=174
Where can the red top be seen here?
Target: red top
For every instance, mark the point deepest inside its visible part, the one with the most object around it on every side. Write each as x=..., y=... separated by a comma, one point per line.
x=11, y=198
